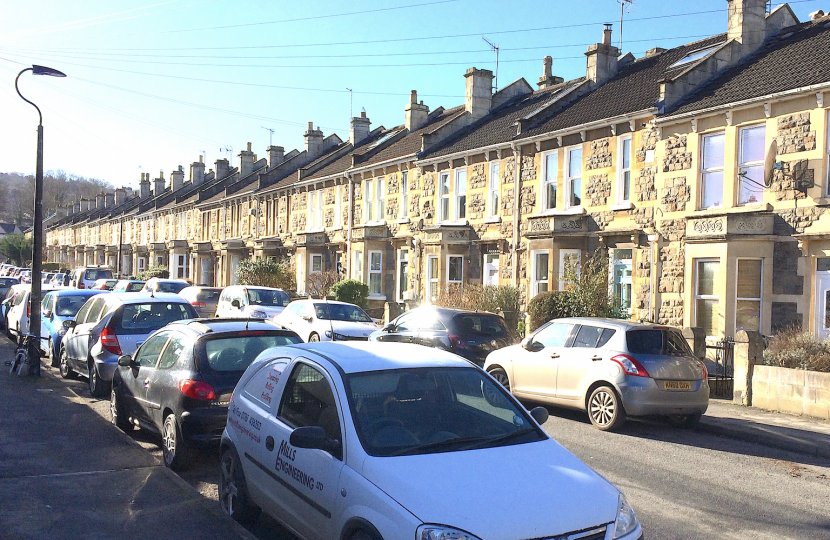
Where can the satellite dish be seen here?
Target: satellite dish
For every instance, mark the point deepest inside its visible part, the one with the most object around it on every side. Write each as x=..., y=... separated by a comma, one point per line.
x=769, y=162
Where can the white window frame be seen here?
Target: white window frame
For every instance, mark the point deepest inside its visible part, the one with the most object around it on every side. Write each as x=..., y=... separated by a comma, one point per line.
x=404, y=198
x=569, y=180
x=826, y=157
x=403, y=258
x=698, y=296
x=534, y=283
x=455, y=281
x=461, y=194
x=315, y=257
x=141, y=264
x=371, y=272
x=622, y=169
x=338, y=207
x=368, y=206
x=444, y=196
x=432, y=262
x=742, y=165
x=704, y=170
x=759, y=299
x=380, y=198
x=357, y=266
x=486, y=266
x=546, y=181
x=563, y=253
x=318, y=211
x=311, y=210
x=493, y=190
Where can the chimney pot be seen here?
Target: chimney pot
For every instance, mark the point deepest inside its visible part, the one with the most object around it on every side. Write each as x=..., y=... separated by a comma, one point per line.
x=276, y=155
x=359, y=129
x=313, y=142
x=249, y=147
x=816, y=15
x=200, y=159
x=606, y=34
x=547, y=79
x=197, y=172
x=413, y=96
x=416, y=113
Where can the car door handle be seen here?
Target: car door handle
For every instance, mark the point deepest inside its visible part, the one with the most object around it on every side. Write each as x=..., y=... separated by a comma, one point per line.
x=147, y=383
x=269, y=443
x=596, y=358
x=554, y=355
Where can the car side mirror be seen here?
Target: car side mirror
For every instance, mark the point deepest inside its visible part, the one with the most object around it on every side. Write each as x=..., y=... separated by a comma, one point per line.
x=532, y=346
x=69, y=323
x=47, y=313
x=388, y=328
x=125, y=360
x=314, y=438
x=540, y=414
x=306, y=318
x=235, y=303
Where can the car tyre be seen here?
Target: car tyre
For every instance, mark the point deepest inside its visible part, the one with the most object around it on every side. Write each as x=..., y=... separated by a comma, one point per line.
x=685, y=421
x=605, y=409
x=314, y=337
x=361, y=535
x=117, y=416
x=54, y=360
x=174, y=449
x=63, y=365
x=233, y=491
x=97, y=386
x=501, y=377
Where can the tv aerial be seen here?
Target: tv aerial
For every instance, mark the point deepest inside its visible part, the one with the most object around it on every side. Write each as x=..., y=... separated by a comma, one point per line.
x=270, y=135
x=496, y=50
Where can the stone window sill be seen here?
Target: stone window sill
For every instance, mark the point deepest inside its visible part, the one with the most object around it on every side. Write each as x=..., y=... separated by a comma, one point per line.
x=376, y=297
x=381, y=222
x=403, y=220
x=492, y=219
x=746, y=209
x=573, y=211
x=622, y=206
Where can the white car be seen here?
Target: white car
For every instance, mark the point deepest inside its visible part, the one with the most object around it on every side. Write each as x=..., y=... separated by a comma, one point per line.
x=376, y=441
x=322, y=320
x=249, y=302
x=20, y=311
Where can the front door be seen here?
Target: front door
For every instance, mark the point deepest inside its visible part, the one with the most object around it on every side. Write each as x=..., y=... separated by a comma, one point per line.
x=823, y=305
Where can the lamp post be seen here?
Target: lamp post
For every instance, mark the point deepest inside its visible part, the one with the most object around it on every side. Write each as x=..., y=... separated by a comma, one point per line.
x=37, y=233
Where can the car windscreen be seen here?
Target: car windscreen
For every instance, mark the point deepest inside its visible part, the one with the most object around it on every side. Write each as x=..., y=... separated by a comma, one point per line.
x=68, y=306
x=93, y=274
x=341, y=312
x=474, y=324
x=429, y=410
x=146, y=318
x=657, y=341
x=170, y=286
x=267, y=297
x=135, y=286
x=208, y=296
x=236, y=352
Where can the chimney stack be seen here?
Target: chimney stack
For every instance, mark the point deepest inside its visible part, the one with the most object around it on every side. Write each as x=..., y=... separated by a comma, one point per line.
x=416, y=113
x=60, y=211
x=84, y=205
x=109, y=199
x=77, y=208
x=144, y=186
x=360, y=128
x=158, y=184
x=177, y=178
x=223, y=168
x=547, y=79
x=747, y=23
x=276, y=155
x=99, y=200
x=816, y=15
x=602, y=59
x=313, y=142
x=479, y=92
x=120, y=195
x=197, y=172
x=246, y=162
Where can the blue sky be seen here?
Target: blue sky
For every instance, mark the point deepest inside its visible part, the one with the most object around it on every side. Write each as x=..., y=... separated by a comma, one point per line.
x=154, y=83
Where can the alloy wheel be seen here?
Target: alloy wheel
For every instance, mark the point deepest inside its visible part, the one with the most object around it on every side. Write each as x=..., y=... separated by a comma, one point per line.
x=603, y=408
x=169, y=440
x=228, y=491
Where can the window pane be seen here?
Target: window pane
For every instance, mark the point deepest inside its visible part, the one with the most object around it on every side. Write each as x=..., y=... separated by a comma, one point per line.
x=445, y=209
x=541, y=267
x=309, y=401
x=751, y=191
x=626, y=187
x=433, y=268
x=749, y=278
x=707, y=316
x=588, y=337
x=554, y=335
x=551, y=164
x=748, y=316
x=445, y=184
x=713, y=151
x=706, y=273
x=550, y=196
x=456, y=265
x=172, y=352
x=575, y=163
x=752, y=144
x=712, y=189
x=375, y=261
x=374, y=284
x=576, y=192
x=462, y=207
x=626, y=154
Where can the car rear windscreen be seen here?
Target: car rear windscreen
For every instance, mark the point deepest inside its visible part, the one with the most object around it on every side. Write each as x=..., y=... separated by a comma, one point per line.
x=480, y=325
x=68, y=306
x=235, y=353
x=657, y=341
x=135, y=287
x=146, y=318
x=171, y=286
x=93, y=274
x=208, y=296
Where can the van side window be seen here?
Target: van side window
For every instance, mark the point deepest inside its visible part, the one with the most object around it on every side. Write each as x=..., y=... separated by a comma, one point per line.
x=309, y=401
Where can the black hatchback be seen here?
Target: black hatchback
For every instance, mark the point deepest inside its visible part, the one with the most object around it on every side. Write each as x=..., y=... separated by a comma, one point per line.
x=180, y=381
x=470, y=334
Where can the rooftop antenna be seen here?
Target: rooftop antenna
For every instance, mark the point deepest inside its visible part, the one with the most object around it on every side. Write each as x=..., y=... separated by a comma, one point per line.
x=204, y=155
x=270, y=135
x=351, y=103
x=228, y=149
x=496, y=49
x=623, y=3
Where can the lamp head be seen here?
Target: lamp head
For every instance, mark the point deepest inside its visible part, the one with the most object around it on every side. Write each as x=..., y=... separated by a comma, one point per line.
x=43, y=70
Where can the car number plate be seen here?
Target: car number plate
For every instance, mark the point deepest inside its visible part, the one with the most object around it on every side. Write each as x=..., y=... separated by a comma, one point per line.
x=677, y=385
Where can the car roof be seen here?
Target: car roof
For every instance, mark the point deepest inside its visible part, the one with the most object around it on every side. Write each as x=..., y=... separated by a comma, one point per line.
x=75, y=292
x=210, y=326
x=253, y=287
x=362, y=356
x=143, y=298
x=613, y=323
x=177, y=280
x=318, y=301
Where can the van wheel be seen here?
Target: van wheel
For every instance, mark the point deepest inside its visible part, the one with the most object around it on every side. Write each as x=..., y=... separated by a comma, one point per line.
x=605, y=410
x=233, y=491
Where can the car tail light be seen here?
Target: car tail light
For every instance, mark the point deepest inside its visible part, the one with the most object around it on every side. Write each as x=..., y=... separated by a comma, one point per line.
x=81, y=285
x=457, y=341
x=29, y=310
x=197, y=389
x=630, y=366
x=109, y=341
x=705, y=371
x=248, y=333
x=198, y=304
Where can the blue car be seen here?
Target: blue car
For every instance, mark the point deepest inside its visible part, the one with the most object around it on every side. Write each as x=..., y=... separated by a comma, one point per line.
x=59, y=306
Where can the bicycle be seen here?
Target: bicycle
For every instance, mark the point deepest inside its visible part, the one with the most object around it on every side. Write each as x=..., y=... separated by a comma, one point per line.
x=21, y=355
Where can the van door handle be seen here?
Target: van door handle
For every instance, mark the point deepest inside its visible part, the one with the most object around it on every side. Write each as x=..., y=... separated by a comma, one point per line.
x=269, y=443
x=554, y=355
x=596, y=358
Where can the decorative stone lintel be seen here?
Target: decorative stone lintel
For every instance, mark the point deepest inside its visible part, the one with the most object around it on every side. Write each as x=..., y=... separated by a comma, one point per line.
x=312, y=239
x=556, y=225
x=449, y=234
x=370, y=232
x=741, y=224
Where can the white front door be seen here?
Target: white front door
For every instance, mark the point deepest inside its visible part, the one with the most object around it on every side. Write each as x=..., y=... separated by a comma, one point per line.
x=822, y=305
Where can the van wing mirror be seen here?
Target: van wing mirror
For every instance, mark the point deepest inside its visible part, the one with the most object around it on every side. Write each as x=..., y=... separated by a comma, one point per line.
x=235, y=303
x=313, y=437
x=69, y=323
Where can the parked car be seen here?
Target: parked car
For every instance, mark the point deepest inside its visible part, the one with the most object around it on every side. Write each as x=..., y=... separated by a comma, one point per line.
x=6, y=283
x=25, y=275
x=178, y=383
x=318, y=320
x=59, y=280
x=113, y=324
x=470, y=334
x=203, y=299
x=610, y=368
x=85, y=276
x=128, y=285
x=165, y=285
x=104, y=284
x=46, y=277
x=416, y=439
x=6, y=305
x=59, y=306
x=243, y=301
x=18, y=315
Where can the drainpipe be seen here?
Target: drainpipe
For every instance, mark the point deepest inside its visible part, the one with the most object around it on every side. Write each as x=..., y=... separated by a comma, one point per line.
x=517, y=174
x=654, y=240
x=415, y=241
x=350, y=179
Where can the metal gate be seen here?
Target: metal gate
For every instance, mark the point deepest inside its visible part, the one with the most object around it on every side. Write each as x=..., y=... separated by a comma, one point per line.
x=720, y=363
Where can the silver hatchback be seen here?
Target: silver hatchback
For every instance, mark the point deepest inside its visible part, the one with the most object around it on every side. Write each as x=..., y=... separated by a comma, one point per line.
x=609, y=368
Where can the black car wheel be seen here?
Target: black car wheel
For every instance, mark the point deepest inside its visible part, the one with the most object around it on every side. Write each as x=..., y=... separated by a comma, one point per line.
x=66, y=371
x=117, y=415
x=97, y=386
x=233, y=492
x=174, y=450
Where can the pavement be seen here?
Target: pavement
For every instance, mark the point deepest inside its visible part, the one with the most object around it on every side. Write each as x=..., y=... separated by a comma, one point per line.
x=65, y=472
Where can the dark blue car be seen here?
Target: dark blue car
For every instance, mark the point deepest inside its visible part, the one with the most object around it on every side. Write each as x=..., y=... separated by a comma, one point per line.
x=59, y=306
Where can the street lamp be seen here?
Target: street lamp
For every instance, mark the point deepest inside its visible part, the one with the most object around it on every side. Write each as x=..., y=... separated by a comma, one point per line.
x=37, y=234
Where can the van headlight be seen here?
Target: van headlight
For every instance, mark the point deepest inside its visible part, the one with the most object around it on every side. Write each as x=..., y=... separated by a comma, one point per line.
x=626, y=520
x=441, y=532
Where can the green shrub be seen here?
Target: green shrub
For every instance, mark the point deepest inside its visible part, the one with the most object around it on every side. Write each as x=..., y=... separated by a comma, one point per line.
x=153, y=271
x=267, y=273
x=551, y=305
x=796, y=349
x=351, y=291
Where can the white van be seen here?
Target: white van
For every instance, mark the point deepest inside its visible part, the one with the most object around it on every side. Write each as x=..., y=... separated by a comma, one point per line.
x=248, y=302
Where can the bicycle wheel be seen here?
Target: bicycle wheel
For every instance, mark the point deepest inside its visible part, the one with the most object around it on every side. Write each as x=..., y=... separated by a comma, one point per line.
x=20, y=360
